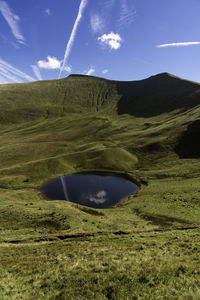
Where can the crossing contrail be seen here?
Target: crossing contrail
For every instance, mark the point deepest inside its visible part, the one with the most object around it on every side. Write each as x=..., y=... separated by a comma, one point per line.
x=73, y=34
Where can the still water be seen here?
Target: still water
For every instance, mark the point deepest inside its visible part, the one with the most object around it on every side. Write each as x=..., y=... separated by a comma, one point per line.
x=97, y=191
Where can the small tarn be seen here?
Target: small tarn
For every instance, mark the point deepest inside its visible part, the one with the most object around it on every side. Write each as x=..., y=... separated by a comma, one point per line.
x=96, y=191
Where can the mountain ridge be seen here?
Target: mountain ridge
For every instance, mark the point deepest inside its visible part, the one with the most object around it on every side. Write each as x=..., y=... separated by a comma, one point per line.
x=159, y=75
x=77, y=93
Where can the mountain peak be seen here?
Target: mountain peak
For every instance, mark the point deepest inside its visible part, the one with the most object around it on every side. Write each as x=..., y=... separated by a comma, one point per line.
x=163, y=75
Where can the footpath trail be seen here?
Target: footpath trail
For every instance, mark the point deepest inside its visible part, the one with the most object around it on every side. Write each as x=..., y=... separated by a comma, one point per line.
x=54, y=238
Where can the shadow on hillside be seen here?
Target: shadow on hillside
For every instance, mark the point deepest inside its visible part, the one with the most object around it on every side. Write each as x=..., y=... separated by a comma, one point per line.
x=158, y=219
x=189, y=143
x=156, y=95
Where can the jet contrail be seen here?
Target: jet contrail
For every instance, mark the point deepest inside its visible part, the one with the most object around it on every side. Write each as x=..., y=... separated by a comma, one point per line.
x=73, y=34
x=178, y=44
x=36, y=71
x=8, y=71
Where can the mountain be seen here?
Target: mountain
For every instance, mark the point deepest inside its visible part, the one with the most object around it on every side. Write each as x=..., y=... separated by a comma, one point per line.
x=78, y=121
x=79, y=93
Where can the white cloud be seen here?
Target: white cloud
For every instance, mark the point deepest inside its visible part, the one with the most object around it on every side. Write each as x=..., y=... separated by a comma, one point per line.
x=48, y=11
x=90, y=71
x=113, y=40
x=12, y=73
x=73, y=34
x=127, y=14
x=36, y=72
x=97, y=23
x=105, y=71
x=99, y=198
x=12, y=21
x=51, y=63
x=184, y=44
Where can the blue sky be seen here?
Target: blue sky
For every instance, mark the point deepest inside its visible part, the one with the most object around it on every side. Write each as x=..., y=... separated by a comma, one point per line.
x=115, y=39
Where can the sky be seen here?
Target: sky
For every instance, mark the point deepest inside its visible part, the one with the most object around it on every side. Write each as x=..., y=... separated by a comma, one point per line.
x=115, y=39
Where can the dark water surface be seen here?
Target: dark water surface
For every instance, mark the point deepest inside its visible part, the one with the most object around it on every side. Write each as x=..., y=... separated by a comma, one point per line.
x=97, y=191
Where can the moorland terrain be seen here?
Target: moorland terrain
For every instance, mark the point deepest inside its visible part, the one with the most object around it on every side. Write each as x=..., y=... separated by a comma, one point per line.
x=145, y=248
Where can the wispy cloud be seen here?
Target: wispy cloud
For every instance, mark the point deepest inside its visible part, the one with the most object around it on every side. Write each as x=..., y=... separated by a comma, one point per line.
x=184, y=44
x=109, y=4
x=90, y=71
x=36, y=72
x=113, y=40
x=48, y=11
x=105, y=71
x=51, y=63
x=127, y=14
x=73, y=34
x=97, y=23
x=12, y=20
x=12, y=73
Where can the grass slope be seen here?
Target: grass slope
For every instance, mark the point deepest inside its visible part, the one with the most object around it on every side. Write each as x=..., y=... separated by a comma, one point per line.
x=137, y=250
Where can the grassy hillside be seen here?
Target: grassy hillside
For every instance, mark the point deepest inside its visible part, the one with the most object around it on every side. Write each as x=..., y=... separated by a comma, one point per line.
x=147, y=247
x=79, y=94
x=55, y=98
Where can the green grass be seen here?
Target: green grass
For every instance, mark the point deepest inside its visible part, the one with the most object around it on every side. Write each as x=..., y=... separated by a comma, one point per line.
x=145, y=248
x=140, y=266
